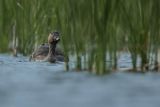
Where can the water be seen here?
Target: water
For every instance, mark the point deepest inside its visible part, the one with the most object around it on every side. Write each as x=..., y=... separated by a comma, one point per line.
x=40, y=84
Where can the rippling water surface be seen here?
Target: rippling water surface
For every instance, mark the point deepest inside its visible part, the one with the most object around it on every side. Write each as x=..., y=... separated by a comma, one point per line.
x=41, y=84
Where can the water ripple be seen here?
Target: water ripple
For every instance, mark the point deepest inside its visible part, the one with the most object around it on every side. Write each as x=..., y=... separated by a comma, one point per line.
x=39, y=84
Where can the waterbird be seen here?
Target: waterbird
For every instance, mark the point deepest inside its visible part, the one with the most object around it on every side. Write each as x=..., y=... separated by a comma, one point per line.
x=49, y=51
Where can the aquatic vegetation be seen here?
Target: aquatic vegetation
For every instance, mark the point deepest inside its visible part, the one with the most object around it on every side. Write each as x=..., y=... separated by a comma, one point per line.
x=91, y=30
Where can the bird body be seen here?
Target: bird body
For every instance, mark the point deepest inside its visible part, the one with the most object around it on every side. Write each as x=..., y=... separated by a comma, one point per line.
x=48, y=51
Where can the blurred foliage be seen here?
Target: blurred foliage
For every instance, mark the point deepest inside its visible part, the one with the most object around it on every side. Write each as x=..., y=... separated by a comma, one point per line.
x=91, y=29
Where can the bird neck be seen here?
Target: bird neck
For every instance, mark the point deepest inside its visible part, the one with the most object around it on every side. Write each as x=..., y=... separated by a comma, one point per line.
x=52, y=48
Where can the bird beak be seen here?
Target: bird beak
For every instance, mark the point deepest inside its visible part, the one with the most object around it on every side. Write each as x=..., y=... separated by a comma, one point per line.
x=57, y=39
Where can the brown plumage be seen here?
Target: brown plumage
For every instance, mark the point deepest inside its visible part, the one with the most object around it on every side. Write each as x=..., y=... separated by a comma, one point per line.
x=49, y=51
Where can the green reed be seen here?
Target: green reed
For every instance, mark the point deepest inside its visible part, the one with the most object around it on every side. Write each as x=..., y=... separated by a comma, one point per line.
x=91, y=30
x=138, y=23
